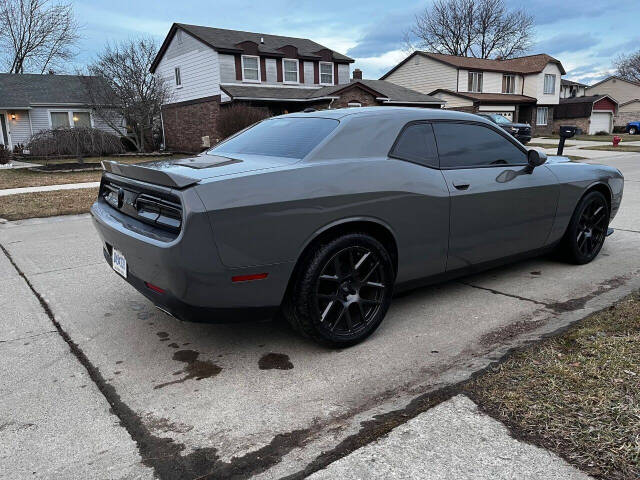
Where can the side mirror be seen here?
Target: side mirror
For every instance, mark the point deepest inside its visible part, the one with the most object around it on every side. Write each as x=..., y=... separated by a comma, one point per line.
x=536, y=158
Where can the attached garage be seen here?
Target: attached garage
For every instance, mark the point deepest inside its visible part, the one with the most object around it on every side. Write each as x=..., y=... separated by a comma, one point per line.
x=601, y=122
x=590, y=114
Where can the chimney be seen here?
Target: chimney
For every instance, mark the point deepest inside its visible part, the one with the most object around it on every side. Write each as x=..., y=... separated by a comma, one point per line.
x=357, y=74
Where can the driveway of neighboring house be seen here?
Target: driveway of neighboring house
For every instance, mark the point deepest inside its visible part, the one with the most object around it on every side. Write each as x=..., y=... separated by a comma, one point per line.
x=98, y=383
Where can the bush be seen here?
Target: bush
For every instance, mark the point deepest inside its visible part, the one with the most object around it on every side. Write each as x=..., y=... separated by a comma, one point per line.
x=234, y=118
x=602, y=132
x=5, y=155
x=79, y=142
x=622, y=129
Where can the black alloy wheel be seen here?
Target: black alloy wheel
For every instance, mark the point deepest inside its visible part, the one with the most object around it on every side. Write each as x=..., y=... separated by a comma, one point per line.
x=342, y=290
x=350, y=290
x=588, y=228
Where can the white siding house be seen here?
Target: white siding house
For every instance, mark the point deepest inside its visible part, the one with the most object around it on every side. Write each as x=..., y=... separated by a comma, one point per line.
x=524, y=89
x=31, y=103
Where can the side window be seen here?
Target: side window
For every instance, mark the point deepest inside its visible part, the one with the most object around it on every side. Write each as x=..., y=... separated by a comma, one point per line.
x=416, y=144
x=467, y=145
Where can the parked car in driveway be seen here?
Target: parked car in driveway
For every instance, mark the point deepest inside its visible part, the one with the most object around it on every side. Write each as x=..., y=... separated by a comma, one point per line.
x=522, y=131
x=324, y=215
x=633, y=128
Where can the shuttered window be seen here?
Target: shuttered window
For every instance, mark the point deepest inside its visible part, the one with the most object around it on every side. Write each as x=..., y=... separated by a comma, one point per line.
x=326, y=73
x=250, y=68
x=290, y=71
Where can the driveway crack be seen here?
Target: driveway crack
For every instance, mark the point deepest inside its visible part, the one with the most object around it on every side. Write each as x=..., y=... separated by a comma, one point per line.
x=498, y=292
x=164, y=455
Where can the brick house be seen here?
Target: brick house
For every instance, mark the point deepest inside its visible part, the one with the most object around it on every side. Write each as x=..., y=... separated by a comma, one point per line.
x=210, y=68
x=523, y=89
x=591, y=114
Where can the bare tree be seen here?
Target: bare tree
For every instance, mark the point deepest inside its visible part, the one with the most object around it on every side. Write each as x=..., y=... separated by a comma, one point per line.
x=628, y=67
x=126, y=89
x=36, y=35
x=473, y=28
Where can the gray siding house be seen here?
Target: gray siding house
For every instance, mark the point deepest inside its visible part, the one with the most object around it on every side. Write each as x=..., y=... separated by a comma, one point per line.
x=30, y=103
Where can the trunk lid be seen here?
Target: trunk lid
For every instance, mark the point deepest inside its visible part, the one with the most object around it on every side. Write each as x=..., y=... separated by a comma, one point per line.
x=184, y=172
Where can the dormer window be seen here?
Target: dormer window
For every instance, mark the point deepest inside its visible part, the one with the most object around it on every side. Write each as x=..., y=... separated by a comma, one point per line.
x=326, y=73
x=250, y=68
x=291, y=70
x=475, y=82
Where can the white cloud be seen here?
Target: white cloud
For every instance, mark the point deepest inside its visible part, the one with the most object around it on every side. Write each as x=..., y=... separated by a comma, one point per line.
x=374, y=67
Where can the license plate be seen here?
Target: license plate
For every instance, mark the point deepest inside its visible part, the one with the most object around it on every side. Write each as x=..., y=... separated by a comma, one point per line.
x=119, y=263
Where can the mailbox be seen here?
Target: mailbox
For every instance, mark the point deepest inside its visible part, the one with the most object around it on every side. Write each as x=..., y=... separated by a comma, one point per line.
x=566, y=131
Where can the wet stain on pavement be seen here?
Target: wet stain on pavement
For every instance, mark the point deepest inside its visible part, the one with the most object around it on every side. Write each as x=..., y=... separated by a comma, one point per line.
x=536, y=273
x=195, y=369
x=162, y=334
x=173, y=345
x=119, y=362
x=277, y=361
x=143, y=315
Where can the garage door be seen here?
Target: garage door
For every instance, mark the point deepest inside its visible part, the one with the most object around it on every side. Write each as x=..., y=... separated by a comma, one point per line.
x=508, y=115
x=600, y=121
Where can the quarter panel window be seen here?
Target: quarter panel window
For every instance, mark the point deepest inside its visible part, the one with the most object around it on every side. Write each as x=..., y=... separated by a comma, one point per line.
x=416, y=144
x=463, y=145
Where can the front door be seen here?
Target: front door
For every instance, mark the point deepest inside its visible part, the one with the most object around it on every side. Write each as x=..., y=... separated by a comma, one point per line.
x=499, y=205
x=4, y=131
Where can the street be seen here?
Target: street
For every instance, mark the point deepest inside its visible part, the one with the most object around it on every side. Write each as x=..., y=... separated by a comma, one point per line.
x=98, y=383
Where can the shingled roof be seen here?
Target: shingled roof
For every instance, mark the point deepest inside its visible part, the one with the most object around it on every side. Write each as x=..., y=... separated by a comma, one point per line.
x=522, y=65
x=488, y=97
x=387, y=92
x=228, y=41
x=23, y=90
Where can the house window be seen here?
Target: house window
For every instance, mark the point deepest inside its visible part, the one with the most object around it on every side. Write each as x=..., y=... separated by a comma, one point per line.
x=541, y=115
x=178, y=77
x=60, y=120
x=326, y=73
x=508, y=83
x=250, y=68
x=354, y=104
x=475, y=82
x=290, y=71
x=81, y=119
x=549, y=84
x=68, y=119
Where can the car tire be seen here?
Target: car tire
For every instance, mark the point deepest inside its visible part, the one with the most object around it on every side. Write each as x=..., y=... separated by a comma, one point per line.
x=587, y=229
x=342, y=290
x=633, y=131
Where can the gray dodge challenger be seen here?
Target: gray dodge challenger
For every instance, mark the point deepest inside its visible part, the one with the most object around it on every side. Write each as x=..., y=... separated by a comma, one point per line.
x=321, y=216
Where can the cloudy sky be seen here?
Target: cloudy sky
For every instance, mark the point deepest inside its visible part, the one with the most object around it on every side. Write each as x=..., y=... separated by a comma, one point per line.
x=585, y=35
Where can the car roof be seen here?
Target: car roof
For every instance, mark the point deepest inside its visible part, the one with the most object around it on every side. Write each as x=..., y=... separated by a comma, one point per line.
x=402, y=113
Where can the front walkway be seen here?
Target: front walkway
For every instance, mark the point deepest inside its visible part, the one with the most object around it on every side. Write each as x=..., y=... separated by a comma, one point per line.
x=452, y=440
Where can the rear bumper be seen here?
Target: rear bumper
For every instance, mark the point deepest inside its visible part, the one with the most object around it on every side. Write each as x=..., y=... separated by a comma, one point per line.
x=191, y=313
x=196, y=285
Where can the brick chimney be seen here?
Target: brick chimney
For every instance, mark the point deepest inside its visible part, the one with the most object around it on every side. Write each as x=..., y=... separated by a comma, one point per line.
x=357, y=74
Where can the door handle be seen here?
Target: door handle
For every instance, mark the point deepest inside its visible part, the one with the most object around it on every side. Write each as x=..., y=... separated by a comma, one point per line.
x=461, y=186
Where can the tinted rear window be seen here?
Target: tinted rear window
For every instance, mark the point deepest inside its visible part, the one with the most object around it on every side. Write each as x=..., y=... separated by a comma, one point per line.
x=416, y=144
x=279, y=137
x=463, y=145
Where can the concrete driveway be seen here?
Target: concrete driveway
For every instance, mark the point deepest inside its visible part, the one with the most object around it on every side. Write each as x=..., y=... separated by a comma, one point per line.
x=97, y=383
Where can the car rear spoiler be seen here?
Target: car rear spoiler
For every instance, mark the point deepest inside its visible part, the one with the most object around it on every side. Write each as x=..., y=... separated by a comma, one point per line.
x=149, y=175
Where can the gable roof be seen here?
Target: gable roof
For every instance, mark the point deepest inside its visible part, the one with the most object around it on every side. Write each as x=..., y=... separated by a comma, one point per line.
x=23, y=90
x=612, y=77
x=629, y=102
x=571, y=83
x=488, y=97
x=522, y=65
x=223, y=40
x=387, y=92
x=577, y=107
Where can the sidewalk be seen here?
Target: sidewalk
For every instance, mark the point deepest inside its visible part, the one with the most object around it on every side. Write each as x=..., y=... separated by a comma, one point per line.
x=48, y=188
x=452, y=440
